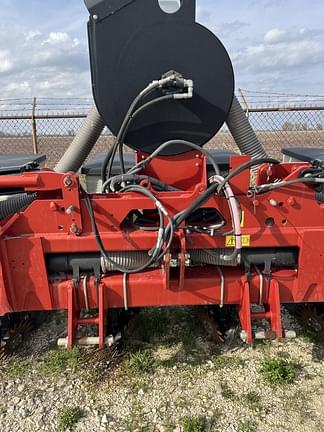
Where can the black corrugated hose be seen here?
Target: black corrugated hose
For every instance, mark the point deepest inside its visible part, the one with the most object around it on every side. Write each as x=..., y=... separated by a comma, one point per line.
x=242, y=132
x=15, y=204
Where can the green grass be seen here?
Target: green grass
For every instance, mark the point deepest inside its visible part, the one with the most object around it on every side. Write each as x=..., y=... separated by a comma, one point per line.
x=167, y=328
x=247, y=426
x=140, y=362
x=194, y=424
x=170, y=324
x=252, y=401
x=152, y=324
x=137, y=367
x=58, y=361
x=224, y=361
x=278, y=371
x=227, y=392
x=261, y=344
x=16, y=368
x=69, y=417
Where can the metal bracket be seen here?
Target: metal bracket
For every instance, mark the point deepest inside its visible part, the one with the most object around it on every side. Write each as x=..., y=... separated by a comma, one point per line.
x=74, y=319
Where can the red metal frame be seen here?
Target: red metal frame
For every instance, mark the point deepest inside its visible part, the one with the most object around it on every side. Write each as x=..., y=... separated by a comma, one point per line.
x=58, y=222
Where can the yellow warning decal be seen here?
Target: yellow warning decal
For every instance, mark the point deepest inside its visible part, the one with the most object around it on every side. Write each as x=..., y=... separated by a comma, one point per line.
x=230, y=241
x=242, y=219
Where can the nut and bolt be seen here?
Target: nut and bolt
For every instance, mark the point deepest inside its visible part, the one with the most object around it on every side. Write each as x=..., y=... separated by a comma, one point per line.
x=273, y=202
x=68, y=181
x=74, y=229
x=69, y=210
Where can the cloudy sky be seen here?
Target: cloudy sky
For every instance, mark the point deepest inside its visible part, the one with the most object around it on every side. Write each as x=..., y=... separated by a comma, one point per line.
x=275, y=45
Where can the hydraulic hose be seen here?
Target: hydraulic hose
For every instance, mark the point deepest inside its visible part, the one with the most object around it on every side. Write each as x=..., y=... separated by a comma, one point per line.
x=82, y=143
x=235, y=216
x=247, y=165
x=140, y=165
x=125, y=178
x=219, y=257
x=152, y=258
x=242, y=132
x=130, y=260
x=123, y=128
x=86, y=262
x=15, y=204
x=121, y=136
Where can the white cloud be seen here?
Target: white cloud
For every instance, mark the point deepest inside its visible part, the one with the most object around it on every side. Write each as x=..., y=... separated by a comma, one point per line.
x=6, y=63
x=43, y=52
x=275, y=35
x=32, y=34
x=61, y=51
x=282, y=50
x=56, y=38
x=18, y=87
x=53, y=64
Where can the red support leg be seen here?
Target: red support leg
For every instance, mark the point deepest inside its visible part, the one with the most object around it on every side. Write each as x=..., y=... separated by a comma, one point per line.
x=182, y=260
x=275, y=308
x=102, y=316
x=72, y=316
x=244, y=311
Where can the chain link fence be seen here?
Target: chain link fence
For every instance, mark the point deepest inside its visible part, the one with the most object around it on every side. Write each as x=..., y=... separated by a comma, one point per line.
x=48, y=126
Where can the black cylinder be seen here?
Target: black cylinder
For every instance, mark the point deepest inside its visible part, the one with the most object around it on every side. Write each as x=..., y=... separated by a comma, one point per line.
x=133, y=43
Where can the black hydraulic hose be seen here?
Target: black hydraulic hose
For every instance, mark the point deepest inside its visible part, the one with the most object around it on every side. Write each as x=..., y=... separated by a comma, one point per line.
x=149, y=89
x=15, y=204
x=144, y=162
x=119, y=142
x=245, y=166
x=136, y=113
x=161, y=210
x=115, y=265
x=171, y=234
x=215, y=188
x=171, y=79
x=272, y=186
x=110, y=153
x=124, y=178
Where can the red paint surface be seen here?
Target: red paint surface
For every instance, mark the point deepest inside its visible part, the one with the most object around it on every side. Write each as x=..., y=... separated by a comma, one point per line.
x=45, y=227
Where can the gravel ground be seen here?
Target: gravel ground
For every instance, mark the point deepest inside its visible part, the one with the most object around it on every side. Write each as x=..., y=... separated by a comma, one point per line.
x=171, y=377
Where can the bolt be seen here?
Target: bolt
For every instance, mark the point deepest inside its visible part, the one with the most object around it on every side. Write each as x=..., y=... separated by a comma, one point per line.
x=197, y=156
x=197, y=164
x=95, y=17
x=69, y=210
x=68, y=181
x=273, y=202
x=74, y=229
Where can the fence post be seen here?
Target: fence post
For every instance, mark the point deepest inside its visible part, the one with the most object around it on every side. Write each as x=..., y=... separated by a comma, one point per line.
x=246, y=106
x=34, y=128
